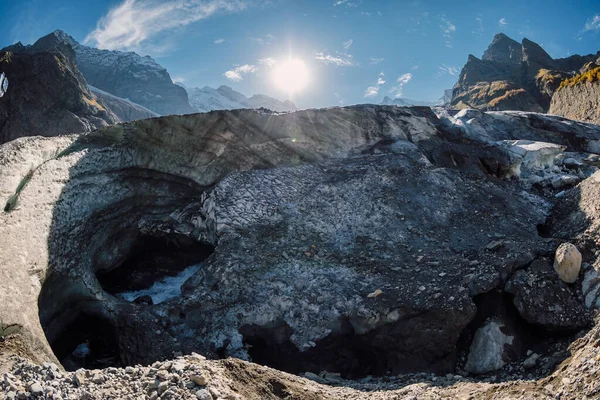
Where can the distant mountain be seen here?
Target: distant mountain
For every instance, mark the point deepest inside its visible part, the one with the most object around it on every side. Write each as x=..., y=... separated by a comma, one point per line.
x=402, y=102
x=47, y=94
x=130, y=76
x=446, y=98
x=225, y=98
x=513, y=76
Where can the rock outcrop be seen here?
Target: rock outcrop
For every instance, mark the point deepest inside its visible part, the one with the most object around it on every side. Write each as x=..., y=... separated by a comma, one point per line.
x=513, y=76
x=353, y=242
x=578, y=97
x=47, y=96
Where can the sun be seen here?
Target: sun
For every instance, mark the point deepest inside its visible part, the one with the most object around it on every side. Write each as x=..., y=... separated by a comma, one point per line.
x=291, y=75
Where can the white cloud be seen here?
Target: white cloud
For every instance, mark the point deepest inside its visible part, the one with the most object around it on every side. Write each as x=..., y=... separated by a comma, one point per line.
x=341, y=100
x=593, y=24
x=414, y=67
x=178, y=79
x=237, y=74
x=219, y=41
x=348, y=44
x=132, y=22
x=373, y=60
x=502, y=22
x=400, y=82
x=373, y=91
x=447, y=70
x=340, y=59
x=448, y=29
x=269, y=61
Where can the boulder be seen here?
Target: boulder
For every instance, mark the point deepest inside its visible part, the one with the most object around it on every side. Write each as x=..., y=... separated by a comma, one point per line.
x=487, y=351
x=567, y=262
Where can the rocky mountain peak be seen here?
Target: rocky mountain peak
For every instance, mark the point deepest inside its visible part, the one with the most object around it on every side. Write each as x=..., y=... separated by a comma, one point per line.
x=533, y=53
x=504, y=49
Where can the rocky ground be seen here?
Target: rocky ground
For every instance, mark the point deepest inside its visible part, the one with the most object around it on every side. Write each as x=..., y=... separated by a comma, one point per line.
x=368, y=252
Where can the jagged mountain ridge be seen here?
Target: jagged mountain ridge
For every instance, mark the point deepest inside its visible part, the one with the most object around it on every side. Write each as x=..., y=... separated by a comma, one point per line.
x=130, y=76
x=513, y=76
x=225, y=98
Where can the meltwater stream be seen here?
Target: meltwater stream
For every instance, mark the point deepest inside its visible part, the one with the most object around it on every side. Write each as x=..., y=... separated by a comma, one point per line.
x=165, y=289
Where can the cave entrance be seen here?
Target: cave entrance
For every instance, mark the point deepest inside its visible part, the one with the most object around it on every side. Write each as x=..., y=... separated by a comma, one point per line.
x=87, y=342
x=155, y=268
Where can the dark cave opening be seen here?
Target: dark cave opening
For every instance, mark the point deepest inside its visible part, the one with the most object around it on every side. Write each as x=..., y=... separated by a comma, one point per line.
x=497, y=305
x=151, y=259
x=383, y=351
x=87, y=342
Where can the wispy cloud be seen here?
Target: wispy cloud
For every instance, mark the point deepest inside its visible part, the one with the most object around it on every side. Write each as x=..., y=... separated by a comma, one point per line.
x=374, y=60
x=339, y=59
x=219, y=41
x=479, y=30
x=373, y=91
x=341, y=101
x=448, y=29
x=444, y=70
x=593, y=24
x=132, y=22
x=414, y=67
x=400, y=82
x=349, y=3
x=348, y=44
x=269, y=61
x=237, y=74
x=502, y=22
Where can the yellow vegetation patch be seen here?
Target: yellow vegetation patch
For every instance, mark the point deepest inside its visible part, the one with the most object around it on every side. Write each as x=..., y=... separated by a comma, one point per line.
x=6, y=57
x=592, y=75
x=506, y=96
x=93, y=103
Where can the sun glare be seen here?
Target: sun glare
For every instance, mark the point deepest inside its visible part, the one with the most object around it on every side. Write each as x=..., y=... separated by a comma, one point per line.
x=291, y=75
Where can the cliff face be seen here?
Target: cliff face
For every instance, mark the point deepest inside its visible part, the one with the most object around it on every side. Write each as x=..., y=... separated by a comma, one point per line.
x=130, y=76
x=47, y=96
x=513, y=76
x=579, y=97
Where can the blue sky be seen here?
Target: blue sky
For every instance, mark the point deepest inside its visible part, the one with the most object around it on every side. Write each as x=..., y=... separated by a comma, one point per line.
x=356, y=51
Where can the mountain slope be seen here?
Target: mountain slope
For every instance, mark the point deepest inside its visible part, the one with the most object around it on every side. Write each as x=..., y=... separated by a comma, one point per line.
x=130, y=76
x=225, y=98
x=513, y=76
x=124, y=109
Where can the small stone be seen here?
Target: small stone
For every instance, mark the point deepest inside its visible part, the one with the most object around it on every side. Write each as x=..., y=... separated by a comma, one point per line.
x=203, y=394
x=495, y=245
x=36, y=389
x=79, y=377
x=162, y=387
x=531, y=361
x=98, y=379
x=567, y=262
x=375, y=294
x=200, y=380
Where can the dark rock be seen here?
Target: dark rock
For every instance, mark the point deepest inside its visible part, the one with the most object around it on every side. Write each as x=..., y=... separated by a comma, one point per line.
x=143, y=300
x=545, y=300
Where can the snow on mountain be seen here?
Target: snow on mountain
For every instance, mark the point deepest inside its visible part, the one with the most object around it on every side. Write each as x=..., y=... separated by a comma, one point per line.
x=225, y=98
x=402, y=102
x=129, y=76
